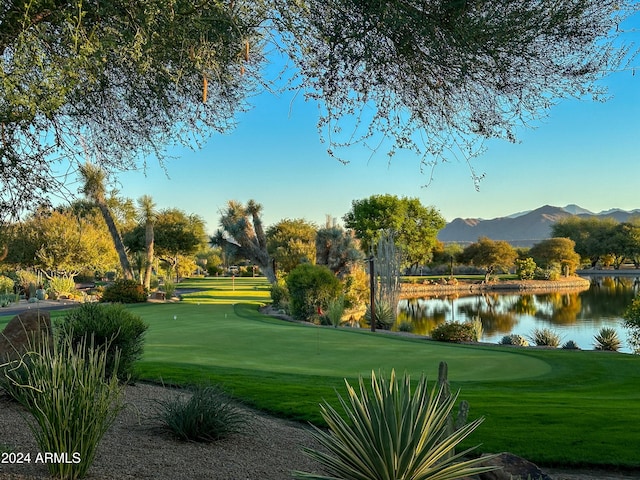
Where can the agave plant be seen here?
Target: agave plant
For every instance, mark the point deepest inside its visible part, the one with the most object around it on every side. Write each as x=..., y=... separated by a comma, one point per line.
x=607, y=339
x=389, y=432
x=545, y=337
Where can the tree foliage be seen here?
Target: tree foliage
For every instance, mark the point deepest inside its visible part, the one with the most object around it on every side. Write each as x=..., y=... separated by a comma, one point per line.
x=60, y=242
x=291, y=242
x=556, y=252
x=414, y=226
x=337, y=249
x=242, y=232
x=175, y=233
x=493, y=255
x=601, y=239
x=116, y=81
x=431, y=76
x=311, y=289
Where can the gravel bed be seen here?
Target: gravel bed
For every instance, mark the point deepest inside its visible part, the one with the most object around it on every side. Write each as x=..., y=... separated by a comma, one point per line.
x=267, y=449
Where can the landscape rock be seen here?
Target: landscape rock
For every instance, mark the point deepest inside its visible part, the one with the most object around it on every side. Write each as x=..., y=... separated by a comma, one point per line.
x=512, y=467
x=25, y=329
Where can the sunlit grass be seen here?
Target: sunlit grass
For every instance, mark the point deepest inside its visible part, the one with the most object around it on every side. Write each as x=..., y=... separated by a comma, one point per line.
x=550, y=406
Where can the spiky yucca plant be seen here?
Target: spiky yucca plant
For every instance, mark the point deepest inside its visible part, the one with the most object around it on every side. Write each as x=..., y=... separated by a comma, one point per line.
x=389, y=432
x=607, y=339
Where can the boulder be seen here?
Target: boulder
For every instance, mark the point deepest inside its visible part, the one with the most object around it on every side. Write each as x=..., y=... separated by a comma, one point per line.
x=511, y=467
x=24, y=330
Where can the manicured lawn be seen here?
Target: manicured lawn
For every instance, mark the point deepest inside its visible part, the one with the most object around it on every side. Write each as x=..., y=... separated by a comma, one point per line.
x=551, y=406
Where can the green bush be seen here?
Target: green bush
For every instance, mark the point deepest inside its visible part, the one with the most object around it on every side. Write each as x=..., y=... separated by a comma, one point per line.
x=607, y=339
x=545, y=337
x=6, y=285
x=169, y=288
x=71, y=400
x=112, y=326
x=388, y=431
x=525, y=268
x=279, y=294
x=61, y=286
x=125, y=291
x=311, y=288
x=454, y=332
x=207, y=415
x=570, y=345
x=514, y=339
x=632, y=323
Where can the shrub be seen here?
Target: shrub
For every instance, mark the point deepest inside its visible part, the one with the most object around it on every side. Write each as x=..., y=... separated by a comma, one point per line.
x=405, y=326
x=607, y=339
x=335, y=310
x=112, y=326
x=61, y=286
x=8, y=299
x=279, y=294
x=632, y=323
x=570, y=345
x=388, y=431
x=514, y=339
x=552, y=273
x=124, y=291
x=207, y=415
x=6, y=285
x=384, y=314
x=525, y=268
x=454, y=332
x=169, y=288
x=71, y=400
x=311, y=288
x=545, y=337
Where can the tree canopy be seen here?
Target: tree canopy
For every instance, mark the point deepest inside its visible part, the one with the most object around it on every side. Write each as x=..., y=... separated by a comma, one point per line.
x=493, y=255
x=414, y=226
x=559, y=252
x=115, y=82
x=242, y=232
x=291, y=242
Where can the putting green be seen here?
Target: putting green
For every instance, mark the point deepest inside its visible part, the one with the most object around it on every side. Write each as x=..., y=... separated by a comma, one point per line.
x=238, y=336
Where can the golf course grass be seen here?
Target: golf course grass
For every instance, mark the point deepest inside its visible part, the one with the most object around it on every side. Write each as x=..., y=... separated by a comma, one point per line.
x=554, y=407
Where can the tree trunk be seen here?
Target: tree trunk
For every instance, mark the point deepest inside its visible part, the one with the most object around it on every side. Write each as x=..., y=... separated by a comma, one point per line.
x=149, y=243
x=127, y=272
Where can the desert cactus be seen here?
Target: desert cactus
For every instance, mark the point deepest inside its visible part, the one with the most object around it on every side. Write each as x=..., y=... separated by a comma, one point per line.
x=445, y=394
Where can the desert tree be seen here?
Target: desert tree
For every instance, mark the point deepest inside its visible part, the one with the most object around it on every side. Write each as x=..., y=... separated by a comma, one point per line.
x=492, y=255
x=94, y=188
x=291, y=242
x=116, y=82
x=241, y=231
x=440, y=76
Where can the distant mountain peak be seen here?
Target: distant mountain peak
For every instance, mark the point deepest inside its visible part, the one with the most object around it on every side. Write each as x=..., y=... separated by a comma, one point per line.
x=574, y=209
x=521, y=229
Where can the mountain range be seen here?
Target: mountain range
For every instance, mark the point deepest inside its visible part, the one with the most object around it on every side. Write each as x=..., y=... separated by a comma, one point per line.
x=523, y=228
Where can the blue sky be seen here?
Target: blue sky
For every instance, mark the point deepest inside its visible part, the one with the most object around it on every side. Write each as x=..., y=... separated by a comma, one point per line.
x=584, y=152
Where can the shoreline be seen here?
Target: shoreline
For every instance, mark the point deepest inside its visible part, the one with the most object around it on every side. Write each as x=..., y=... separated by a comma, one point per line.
x=574, y=283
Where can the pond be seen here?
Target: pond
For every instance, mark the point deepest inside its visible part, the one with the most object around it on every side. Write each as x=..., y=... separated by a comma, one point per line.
x=576, y=316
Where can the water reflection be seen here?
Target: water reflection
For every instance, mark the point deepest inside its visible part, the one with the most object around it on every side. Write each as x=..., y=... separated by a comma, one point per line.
x=575, y=315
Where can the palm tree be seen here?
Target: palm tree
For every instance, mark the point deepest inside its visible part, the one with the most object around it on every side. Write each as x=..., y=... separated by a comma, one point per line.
x=94, y=179
x=148, y=215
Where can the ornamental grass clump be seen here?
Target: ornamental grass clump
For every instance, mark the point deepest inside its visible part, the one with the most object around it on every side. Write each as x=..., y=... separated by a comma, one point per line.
x=71, y=402
x=390, y=432
x=205, y=416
